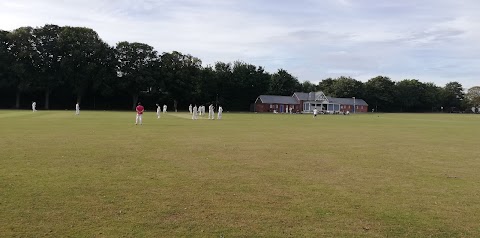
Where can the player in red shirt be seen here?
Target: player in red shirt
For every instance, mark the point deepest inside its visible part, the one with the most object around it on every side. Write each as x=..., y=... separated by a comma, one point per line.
x=140, y=110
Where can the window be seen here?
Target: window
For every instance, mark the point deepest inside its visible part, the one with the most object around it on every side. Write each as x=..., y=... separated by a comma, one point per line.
x=271, y=106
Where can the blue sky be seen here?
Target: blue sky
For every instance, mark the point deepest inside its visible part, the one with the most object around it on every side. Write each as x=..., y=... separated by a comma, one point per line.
x=430, y=40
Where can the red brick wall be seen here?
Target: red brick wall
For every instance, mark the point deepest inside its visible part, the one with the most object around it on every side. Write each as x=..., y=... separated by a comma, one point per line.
x=264, y=107
x=344, y=108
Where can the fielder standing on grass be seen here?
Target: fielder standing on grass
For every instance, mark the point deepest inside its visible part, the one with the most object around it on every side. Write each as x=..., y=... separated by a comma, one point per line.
x=190, y=108
x=315, y=112
x=77, y=109
x=159, y=109
x=194, y=113
x=164, y=108
x=34, y=106
x=211, y=112
x=139, y=110
x=220, y=111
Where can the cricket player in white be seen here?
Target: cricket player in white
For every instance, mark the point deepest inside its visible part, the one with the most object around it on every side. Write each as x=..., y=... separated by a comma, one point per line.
x=164, y=108
x=211, y=112
x=159, y=109
x=220, y=110
x=77, y=109
x=315, y=112
x=34, y=106
x=195, y=113
x=190, y=108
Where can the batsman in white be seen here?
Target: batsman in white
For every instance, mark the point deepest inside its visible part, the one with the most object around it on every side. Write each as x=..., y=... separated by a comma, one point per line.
x=190, y=108
x=211, y=112
x=164, y=108
x=195, y=113
x=34, y=106
x=159, y=109
x=77, y=109
x=220, y=111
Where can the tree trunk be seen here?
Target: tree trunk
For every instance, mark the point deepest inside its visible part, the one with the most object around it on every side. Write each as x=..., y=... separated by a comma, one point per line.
x=175, y=105
x=134, y=100
x=17, y=100
x=47, y=99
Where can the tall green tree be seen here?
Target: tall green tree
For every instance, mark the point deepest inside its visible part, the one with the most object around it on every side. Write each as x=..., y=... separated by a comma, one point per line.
x=283, y=83
x=473, y=96
x=107, y=74
x=83, y=56
x=409, y=93
x=308, y=86
x=136, y=68
x=22, y=50
x=47, y=59
x=453, y=96
x=249, y=81
x=380, y=93
x=6, y=59
x=224, y=79
x=326, y=86
x=207, y=87
x=181, y=74
x=346, y=87
x=431, y=99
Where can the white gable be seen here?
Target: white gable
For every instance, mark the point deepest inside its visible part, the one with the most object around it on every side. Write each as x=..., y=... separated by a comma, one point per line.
x=317, y=97
x=320, y=96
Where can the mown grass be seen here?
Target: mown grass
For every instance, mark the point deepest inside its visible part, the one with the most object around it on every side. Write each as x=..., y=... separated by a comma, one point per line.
x=248, y=175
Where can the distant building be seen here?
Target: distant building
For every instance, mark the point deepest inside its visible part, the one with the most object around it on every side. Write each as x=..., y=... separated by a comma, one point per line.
x=280, y=104
x=306, y=102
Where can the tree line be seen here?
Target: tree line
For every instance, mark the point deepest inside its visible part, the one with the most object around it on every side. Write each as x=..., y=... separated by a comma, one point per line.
x=59, y=66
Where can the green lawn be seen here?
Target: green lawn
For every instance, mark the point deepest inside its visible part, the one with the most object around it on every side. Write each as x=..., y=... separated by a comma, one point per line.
x=248, y=175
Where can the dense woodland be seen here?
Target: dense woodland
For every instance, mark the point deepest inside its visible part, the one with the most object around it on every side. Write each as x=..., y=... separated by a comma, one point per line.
x=58, y=66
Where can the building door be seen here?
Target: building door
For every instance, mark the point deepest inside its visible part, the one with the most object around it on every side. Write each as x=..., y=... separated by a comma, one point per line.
x=281, y=108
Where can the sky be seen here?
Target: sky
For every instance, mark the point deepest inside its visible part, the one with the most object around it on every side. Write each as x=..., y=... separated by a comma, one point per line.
x=429, y=40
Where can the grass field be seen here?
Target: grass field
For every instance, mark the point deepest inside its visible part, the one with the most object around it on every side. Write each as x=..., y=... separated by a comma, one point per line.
x=248, y=175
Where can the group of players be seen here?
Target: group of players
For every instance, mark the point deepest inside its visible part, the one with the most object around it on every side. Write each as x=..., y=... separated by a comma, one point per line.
x=195, y=111
x=200, y=110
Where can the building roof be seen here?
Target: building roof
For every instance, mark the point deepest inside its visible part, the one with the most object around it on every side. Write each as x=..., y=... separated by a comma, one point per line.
x=277, y=99
x=347, y=101
x=313, y=96
x=302, y=96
